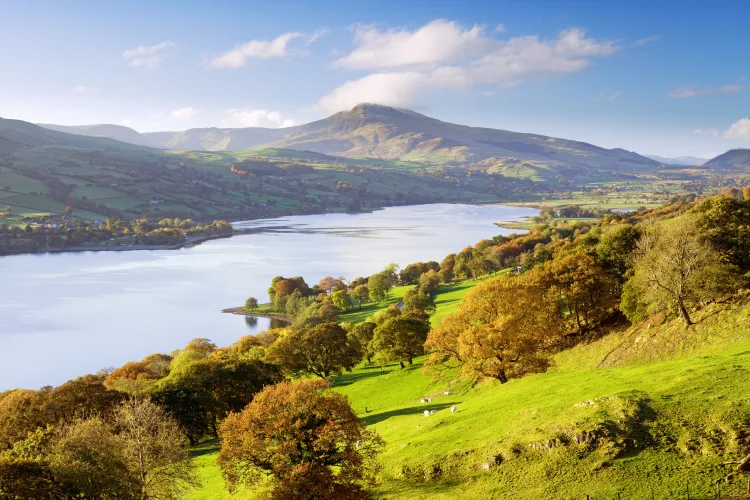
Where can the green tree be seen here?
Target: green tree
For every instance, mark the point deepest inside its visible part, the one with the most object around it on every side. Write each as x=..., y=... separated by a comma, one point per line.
x=401, y=338
x=675, y=270
x=251, y=304
x=321, y=350
x=341, y=299
x=378, y=286
x=363, y=333
x=362, y=294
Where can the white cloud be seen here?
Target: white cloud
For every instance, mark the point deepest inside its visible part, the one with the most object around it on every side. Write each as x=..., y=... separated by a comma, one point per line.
x=438, y=41
x=739, y=130
x=316, y=35
x=247, y=117
x=264, y=49
x=644, y=41
x=147, y=56
x=184, y=113
x=689, y=91
x=500, y=28
x=442, y=54
x=608, y=96
x=706, y=131
x=84, y=89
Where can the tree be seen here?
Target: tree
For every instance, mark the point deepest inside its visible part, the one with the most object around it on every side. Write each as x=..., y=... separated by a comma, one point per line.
x=321, y=350
x=362, y=294
x=154, y=450
x=308, y=439
x=674, y=269
x=363, y=333
x=378, y=286
x=419, y=300
x=615, y=249
x=588, y=291
x=401, y=338
x=724, y=223
x=251, y=304
x=89, y=458
x=329, y=284
x=505, y=327
x=341, y=299
x=429, y=281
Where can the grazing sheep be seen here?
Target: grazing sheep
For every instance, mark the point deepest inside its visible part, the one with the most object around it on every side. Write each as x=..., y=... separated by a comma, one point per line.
x=432, y=412
x=423, y=400
x=454, y=409
x=427, y=413
x=447, y=393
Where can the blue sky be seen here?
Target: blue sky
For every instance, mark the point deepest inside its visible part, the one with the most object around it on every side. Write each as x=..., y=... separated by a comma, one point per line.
x=655, y=77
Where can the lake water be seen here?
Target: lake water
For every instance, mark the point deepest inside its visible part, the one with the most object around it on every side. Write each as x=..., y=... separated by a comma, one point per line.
x=65, y=315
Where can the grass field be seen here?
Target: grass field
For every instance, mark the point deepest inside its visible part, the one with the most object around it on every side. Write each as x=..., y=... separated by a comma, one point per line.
x=666, y=412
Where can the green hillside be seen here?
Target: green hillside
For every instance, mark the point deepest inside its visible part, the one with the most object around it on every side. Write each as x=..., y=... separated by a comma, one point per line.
x=660, y=419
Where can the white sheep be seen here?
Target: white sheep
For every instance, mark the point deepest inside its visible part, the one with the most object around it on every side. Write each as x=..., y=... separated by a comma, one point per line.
x=447, y=393
x=432, y=412
x=427, y=413
x=454, y=409
x=423, y=400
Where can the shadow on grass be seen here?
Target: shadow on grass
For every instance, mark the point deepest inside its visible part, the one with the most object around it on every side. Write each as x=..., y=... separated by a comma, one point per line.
x=349, y=378
x=205, y=448
x=412, y=410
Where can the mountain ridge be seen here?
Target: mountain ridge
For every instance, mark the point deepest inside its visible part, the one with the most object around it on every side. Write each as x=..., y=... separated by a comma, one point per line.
x=383, y=132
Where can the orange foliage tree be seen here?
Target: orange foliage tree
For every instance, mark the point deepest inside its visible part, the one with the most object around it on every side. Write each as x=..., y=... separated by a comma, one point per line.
x=308, y=439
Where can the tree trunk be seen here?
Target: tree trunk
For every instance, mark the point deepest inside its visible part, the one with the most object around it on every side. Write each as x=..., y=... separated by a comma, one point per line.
x=411, y=359
x=684, y=313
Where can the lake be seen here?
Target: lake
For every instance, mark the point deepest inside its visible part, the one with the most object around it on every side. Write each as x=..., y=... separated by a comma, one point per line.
x=67, y=314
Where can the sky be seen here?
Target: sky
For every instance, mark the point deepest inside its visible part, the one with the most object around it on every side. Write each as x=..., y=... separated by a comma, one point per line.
x=666, y=77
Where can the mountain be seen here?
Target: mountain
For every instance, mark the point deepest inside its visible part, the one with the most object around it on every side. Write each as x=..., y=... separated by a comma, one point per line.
x=117, y=132
x=15, y=134
x=692, y=161
x=382, y=132
x=196, y=139
x=376, y=131
x=217, y=139
x=735, y=159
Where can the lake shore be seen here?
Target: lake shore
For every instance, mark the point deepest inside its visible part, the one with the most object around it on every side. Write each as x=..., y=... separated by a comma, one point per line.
x=240, y=311
x=189, y=241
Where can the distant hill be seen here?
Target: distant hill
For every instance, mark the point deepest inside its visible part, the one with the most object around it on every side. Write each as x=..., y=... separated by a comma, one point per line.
x=735, y=159
x=117, y=132
x=196, y=139
x=386, y=133
x=692, y=161
x=19, y=134
x=217, y=139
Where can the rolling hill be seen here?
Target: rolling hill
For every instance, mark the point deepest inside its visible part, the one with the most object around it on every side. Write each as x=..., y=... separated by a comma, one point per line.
x=691, y=161
x=735, y=159
x=386, y=133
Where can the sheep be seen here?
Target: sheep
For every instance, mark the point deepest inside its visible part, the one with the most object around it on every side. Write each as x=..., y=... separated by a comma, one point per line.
x=423, y=400
x=454, y=409
x=432, y=412
x=447, y=393
x=427, y=413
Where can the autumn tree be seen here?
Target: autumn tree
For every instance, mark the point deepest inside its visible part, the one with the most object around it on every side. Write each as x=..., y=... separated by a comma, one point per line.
x=675, y=270
x=308, y=439
x=321, y=350
x=505, y=327
x=401, y=338
x=588, y=291
x=154, y=450
x=724, y=223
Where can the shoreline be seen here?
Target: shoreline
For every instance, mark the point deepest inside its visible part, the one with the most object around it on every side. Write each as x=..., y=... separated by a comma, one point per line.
x=239, y=311
x=189, y=241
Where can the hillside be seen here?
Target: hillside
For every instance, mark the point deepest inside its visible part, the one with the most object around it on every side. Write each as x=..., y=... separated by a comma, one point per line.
x=385, y=133
x=43, y=171
x=735, y=159
x=659, y=420
x=117, y=132
x=377, y=131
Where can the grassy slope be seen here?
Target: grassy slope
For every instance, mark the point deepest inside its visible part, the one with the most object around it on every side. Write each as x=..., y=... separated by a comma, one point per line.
x=687, y=407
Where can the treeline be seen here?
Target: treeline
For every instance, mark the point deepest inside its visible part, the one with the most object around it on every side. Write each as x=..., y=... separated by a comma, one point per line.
x=70, y=232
